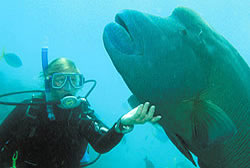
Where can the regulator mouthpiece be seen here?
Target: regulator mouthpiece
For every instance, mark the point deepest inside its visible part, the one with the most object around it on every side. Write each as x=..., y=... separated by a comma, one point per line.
x=69, y=102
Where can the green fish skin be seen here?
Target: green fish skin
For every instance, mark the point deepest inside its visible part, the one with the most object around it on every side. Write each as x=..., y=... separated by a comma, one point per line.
x=197, y=80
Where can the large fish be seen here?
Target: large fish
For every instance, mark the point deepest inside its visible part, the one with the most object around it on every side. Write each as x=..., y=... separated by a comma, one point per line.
x=197, y=80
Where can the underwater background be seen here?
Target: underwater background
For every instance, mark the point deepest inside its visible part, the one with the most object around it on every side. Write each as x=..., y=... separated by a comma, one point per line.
x=73, y=29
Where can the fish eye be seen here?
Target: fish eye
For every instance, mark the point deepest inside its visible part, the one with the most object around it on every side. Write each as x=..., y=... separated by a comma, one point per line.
x=184, y=32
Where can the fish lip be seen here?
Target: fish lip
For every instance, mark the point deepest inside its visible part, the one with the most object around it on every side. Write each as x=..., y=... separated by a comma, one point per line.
x=118, y=35
x=124, y=23
x=119, y=19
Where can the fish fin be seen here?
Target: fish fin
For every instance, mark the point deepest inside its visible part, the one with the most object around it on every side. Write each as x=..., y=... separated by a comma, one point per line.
x=133, y=101
x=210, y=123
x=181, y=145
x=2, y=55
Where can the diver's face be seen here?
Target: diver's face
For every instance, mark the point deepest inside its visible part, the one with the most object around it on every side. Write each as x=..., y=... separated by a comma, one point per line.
x=66, y=90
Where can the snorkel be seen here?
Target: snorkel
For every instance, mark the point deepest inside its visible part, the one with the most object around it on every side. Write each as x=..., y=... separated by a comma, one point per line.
x=45, y=66
x=51, y=115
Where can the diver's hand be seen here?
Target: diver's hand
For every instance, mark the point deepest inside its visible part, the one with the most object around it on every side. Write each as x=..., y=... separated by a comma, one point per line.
x=140, y=115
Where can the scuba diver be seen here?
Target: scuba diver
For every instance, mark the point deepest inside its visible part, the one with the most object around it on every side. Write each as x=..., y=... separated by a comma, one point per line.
x=53, y=129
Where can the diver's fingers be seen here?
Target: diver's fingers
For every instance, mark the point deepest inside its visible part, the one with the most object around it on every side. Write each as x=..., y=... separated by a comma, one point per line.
x=143, y=112
x=136, y=112
x=150, y=114
x=155, y=119
x=131, y=116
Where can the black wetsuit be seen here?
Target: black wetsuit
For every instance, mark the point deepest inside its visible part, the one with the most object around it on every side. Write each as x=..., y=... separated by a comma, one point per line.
x=42, y=143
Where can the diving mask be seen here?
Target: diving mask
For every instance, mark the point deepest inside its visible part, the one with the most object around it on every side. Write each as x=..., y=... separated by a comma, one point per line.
x=58, y=80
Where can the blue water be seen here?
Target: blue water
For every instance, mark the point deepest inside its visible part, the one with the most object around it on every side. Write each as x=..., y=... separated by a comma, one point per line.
x=73, y=29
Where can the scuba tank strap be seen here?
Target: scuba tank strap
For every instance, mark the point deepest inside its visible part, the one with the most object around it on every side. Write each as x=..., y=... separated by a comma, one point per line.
x=28, y=114
x=33, y=117
x=35, y=99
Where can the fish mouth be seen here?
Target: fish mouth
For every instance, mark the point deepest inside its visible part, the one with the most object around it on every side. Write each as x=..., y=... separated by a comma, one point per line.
x=119, y=20
x=119, y=35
